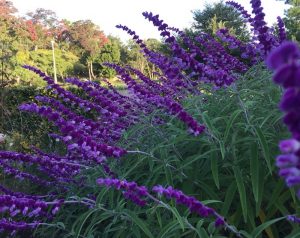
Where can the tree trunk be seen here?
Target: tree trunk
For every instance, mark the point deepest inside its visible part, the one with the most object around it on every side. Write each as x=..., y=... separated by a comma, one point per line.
x=92, y=71
x=89, y=69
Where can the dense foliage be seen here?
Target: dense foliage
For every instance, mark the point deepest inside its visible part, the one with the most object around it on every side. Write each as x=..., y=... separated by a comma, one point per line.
x=292, y=19
x=187, y=151
x=219, y=15
x=80, y=48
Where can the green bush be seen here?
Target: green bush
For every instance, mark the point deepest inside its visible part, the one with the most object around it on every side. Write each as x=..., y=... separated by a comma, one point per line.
x=231, y=168
x=23, y=130
x=65, y=63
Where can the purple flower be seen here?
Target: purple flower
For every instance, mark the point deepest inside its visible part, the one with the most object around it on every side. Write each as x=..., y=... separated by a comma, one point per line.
x=293, y=218
x=289, y=146
x=284, y=60
x=130, y=190
x=282, y=36
x=286, y=160
x=286, y=53
x=192, y=203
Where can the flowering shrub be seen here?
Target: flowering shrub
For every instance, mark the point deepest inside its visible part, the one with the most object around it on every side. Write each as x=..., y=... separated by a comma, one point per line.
x=106, y=137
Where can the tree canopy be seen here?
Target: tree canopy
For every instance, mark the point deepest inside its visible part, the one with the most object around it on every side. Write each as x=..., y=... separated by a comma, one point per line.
x=292, y=19
x=219, y=15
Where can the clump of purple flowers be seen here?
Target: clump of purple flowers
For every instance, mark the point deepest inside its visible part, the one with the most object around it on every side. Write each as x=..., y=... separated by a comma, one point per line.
x=90, y=127
x=285, y=61
x=261, y=32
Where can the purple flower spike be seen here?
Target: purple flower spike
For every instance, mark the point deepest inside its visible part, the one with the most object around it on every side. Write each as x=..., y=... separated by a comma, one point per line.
x=130, y=190
x=284, y=60
x=293, y=218
x=192, y=203
x=281, y=30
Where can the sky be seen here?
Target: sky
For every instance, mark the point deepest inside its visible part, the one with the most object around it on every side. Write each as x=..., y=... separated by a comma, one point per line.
x=108, y=13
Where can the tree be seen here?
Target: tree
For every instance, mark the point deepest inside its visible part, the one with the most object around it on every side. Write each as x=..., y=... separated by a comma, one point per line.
x=44, y=26
x=111, y=52
x=89, y=40
x=292, y=20
x=46, y=18
x=8, y=51
x=7, y=9
x=133, y=56
x=8, y=41
x=217, y=15
x=42, y=58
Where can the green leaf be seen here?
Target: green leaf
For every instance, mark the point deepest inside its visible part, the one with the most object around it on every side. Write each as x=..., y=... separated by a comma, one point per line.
x=233, y=117
x=208, y=124
x=178, y=217
x=228, y=198
x=222, y=149
x=202, y=233
x=207, y=202
x=276, y=191
x=158, y=216
x=214, y=169
x=175, y=213
x=138, y=222
x=246, y=234
x=61, y=225
x=260, y=192
x=254, y=170
x=242, y=191
x=211, y=228
x=168, y=228
x=258, y=230
x=84, y=220
x=265, y=147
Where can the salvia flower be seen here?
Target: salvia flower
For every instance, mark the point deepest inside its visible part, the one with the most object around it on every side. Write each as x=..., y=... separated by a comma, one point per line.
x=8, y=225
x=293, y=218
x=130, y=190
x=192, y=203
x=138, y=194
x=285, y=61
x=241, y=9
x=282, y=36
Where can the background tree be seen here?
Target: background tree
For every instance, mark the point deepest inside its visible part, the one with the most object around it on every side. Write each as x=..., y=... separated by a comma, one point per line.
x=110, y=52
x=8, y=41
x=46, y=26
x=46, y=18
x=88, y=39
x=217, y=15
x=292, y=19
x=7, y=9
x=133, y=56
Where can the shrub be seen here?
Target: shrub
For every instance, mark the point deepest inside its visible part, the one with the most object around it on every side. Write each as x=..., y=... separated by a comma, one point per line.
x=139, y=144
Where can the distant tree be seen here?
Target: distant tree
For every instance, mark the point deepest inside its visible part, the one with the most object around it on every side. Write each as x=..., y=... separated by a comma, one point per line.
x=7, y=9
x=42, y=58
x=8, y=51
x=132, y=56
x=8, y=42
x=89, y=40
x=111, y=52
x=44, y=26
x=292, y=19
x=46, y=18
x=217, y=15
x=216, y=25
